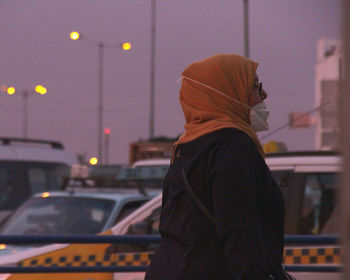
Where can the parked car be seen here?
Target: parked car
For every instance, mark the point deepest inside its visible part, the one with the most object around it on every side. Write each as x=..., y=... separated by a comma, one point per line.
x=29, y=166
x=309, y=183
x=70, y=212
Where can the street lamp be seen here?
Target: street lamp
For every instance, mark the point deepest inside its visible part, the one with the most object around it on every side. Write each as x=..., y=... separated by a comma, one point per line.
x=93, y=161
x=246, y=28
x=75, y=35
x=107, y=134
x=152, y=68
x=11, y=91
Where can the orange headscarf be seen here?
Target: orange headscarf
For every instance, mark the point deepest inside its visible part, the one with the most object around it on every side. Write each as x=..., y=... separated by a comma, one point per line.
x=205, y=109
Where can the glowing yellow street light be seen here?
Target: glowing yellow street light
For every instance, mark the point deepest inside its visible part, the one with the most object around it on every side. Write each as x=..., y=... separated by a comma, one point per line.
x=126, y=46
x=74, y=35
x=93, y=161
x=40, y=89
x=11, y=90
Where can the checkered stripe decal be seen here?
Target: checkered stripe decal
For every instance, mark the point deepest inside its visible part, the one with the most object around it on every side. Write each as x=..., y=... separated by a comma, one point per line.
x=313, y=255
x=309, y=255
x=129, y=259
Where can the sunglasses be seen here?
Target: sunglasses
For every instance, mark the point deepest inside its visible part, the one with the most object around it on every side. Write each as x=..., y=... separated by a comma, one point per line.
x=260, y=86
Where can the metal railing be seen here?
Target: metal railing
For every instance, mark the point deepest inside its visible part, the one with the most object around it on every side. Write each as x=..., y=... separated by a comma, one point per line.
x=141, y=239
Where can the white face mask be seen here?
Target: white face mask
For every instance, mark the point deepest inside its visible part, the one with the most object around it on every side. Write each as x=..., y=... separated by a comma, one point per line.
x=258, y=113
x=258, y=117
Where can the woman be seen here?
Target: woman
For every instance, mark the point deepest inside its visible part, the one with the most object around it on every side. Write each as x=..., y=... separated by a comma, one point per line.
x=237, y=231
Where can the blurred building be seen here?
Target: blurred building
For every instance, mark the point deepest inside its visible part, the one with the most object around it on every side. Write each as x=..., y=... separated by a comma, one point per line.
x=160, y=147
x=328, y=71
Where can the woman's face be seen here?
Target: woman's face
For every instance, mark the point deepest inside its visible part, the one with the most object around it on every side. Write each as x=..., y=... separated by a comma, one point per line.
x=257, y=94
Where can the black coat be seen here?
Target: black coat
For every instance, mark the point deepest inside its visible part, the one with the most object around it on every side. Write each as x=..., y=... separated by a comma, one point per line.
x=226, y=171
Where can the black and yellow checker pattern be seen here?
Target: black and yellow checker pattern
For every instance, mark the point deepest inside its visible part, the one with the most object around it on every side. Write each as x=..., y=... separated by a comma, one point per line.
x=98, y=257
x=312, y=255
x=125, y=259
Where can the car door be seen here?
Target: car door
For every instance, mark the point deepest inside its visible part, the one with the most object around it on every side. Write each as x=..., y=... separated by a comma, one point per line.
x=138, y=254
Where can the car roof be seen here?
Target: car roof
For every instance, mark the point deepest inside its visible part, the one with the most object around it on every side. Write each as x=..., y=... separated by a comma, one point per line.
x=314, y=158
x=280, y=159
x=17, y=149
x=152, y=162
x=97, y=194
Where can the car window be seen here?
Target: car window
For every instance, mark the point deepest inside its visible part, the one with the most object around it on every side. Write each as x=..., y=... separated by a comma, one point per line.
x=59, y=215
x=153, y=221
x=128, y=208
x=20, y=180
x=5, y=184
x=320, y=213
x=13, y=185
x=44, y=177
x=37, y=180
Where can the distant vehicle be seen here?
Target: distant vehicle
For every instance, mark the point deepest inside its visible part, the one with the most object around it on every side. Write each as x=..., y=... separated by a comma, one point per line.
x=309, y=183
x=152, y=162
x=29, y=166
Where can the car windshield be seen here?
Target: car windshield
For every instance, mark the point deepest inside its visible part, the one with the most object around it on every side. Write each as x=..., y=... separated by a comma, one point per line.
x=59, y=215
x=35, y=177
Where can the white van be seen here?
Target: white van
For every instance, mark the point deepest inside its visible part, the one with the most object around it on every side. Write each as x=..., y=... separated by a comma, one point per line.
x=29, y=166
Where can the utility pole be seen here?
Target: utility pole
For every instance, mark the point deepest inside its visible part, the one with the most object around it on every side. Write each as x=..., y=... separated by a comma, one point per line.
x=25, y=113
x=246, y=28
x=106, y=133
x=25, y=94
x=344, y=118
x=100, y=101
x=153, y=65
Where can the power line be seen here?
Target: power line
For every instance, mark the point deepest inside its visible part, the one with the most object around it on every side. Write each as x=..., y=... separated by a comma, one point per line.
x=301, y=117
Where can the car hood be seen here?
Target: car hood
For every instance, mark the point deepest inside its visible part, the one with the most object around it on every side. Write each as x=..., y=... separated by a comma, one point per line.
x=13, y=249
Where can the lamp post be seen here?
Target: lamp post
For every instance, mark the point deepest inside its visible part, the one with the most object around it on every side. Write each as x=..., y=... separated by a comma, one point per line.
x=100, y=45
x=246, y=28
x=25, y=94
x=152, y=64
x=107, y=134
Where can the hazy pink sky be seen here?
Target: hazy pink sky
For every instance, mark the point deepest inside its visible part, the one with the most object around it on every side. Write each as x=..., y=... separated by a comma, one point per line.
x=35, y=48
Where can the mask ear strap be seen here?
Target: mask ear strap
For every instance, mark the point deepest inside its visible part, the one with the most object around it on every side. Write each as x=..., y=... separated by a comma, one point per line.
x=214, y=89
